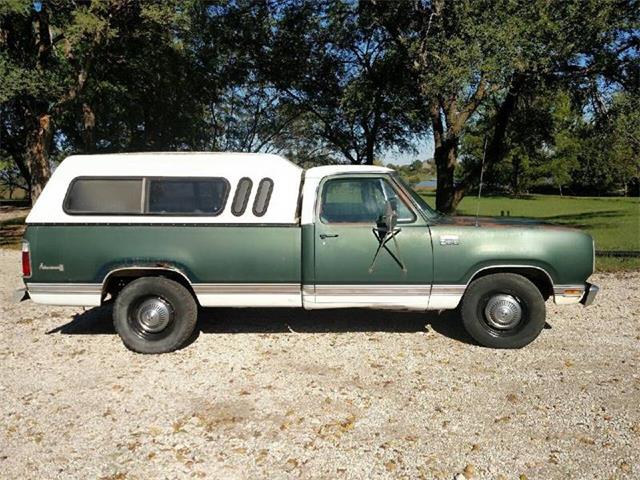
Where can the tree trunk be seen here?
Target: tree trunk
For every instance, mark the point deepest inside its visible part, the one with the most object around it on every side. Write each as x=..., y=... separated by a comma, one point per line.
x=446, y=135
x=88, y=125
x=495, y=150
x=448, y=195
x=369, y=151
x=38, y=145
x=515, y=175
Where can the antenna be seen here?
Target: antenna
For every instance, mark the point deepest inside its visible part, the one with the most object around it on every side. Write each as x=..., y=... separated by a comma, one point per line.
x=484, y=154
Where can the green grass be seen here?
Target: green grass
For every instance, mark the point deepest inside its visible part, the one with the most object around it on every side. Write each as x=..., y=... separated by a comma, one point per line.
x=614, y=222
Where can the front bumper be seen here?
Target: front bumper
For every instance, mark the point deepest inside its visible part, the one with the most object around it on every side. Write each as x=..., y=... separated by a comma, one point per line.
x=589, y=295
x=583, y=293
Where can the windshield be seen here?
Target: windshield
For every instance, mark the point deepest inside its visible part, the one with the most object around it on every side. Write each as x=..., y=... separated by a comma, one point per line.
x=422, y=204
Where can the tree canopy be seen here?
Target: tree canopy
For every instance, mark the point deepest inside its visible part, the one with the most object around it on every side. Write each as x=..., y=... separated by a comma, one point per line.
x=545, y=92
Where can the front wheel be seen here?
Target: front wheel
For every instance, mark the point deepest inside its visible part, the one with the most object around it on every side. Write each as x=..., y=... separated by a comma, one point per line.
x=503, y=310
x=154, y=315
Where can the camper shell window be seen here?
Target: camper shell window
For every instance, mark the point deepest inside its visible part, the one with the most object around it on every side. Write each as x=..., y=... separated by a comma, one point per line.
x=187, y=196
x=263, y=195
x=175, y=196
x=117, y=196
x=241, y=197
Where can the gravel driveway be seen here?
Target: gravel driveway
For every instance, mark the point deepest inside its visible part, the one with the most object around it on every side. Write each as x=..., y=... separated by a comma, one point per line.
x=336, y=394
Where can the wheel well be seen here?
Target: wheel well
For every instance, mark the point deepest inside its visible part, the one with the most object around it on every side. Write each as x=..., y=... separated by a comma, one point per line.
x=537, y=276
x=119, y=279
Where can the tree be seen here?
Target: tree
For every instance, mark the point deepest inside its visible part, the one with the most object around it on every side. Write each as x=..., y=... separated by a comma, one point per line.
x=610, y=159
x=10, y=178
x=339, y=70
x=625, y=137
x=417, y=171
x=470, y=54
x=46, y=60
x=147, y=87
x=328, y=81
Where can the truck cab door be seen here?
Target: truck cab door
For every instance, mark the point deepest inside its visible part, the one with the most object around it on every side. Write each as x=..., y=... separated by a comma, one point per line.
x=346, y=238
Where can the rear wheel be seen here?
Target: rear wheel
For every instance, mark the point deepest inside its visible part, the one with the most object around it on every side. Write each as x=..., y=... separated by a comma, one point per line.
x=503, y=310
x=154, y=315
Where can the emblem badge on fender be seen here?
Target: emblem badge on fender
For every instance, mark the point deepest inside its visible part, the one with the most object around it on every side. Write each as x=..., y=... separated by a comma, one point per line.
x=449, y=240
x=59, y=268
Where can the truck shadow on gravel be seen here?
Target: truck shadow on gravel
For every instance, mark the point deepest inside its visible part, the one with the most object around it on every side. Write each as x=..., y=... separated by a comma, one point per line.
x=212, y=321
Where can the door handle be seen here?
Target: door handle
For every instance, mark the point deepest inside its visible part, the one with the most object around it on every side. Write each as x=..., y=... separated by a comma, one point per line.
x=328, y=235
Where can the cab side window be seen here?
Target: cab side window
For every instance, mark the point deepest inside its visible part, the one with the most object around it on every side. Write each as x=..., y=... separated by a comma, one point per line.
x=360, y=200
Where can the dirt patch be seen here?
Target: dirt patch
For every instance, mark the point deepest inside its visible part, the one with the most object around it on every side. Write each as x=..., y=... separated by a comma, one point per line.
x=350, y=394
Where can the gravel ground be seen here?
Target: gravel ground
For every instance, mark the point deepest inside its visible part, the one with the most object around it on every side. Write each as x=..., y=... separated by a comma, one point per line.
x=341, y=394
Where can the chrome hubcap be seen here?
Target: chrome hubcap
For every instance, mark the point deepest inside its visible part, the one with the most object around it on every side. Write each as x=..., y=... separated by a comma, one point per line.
x=154, y=315
x=503, y=311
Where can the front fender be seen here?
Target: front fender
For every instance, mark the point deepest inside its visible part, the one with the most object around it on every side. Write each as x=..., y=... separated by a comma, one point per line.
x=565, y=255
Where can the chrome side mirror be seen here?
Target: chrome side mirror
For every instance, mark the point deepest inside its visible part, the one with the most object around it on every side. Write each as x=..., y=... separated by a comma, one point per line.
x=389, y=219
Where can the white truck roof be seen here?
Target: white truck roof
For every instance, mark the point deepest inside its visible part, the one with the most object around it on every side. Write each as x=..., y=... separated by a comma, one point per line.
x=283, y=202
x=326, y=170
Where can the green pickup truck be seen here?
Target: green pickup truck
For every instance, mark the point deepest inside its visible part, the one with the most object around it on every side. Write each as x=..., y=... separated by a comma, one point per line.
x=161, y=234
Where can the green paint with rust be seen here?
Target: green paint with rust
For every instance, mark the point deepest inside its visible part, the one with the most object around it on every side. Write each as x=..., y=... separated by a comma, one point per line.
x=346, y=258
x=345, y=255
x=566, y=254
x=308, y=255
x=277, y=254
x=206, y=254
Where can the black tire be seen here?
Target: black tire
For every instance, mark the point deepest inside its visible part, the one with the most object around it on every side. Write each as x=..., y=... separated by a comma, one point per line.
x=176, y=314
x=486, y=292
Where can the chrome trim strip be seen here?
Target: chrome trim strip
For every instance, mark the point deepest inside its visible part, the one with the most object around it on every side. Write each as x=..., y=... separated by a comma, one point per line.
x=308, y=289
x=199, y=288
x=246, y=288
x=64, y=288
x=448, y=289
x=445, y=297
x=162, y=224
x=140, y=267
x=510, y=266
x=382, y=290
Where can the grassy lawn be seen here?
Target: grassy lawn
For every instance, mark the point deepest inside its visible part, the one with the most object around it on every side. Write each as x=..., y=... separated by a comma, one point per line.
x=613, y=222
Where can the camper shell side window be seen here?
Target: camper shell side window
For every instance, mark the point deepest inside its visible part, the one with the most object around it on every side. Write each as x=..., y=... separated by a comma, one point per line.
x=104, y=196
x=241, y=197
x=263, y=195
x=157, y=196
x=186, y=196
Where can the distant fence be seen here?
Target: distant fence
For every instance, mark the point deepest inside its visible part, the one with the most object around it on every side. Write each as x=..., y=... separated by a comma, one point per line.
x=618, y=253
